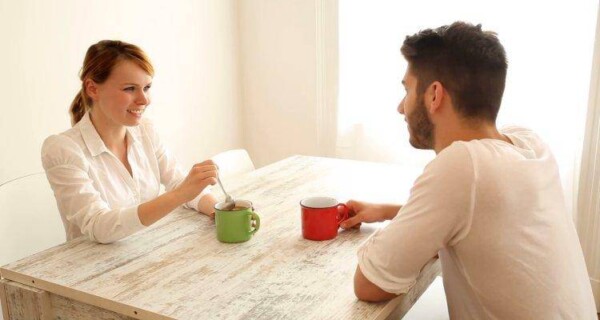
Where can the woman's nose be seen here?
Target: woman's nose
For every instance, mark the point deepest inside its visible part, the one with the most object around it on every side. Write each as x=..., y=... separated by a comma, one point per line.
x=143, y=98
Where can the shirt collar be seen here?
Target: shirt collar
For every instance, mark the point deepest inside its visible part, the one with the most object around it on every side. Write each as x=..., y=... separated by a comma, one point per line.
x=90, y=136
x=92, y=139
x=133, y=135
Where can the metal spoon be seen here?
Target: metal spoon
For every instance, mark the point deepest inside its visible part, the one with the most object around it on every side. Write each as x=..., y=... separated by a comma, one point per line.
x=229, y=202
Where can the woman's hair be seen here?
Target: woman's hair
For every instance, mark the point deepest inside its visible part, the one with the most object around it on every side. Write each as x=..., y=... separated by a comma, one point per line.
x=100, y=59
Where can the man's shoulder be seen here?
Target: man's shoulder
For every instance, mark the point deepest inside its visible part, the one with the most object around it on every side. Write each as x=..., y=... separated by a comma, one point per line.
x=527, y=139
x=454, y=159
x=514, y=129
x=457, y=151
x=517, y=133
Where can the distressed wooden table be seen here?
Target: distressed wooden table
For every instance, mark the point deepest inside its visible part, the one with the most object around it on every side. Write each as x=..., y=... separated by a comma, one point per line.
x=177, y=268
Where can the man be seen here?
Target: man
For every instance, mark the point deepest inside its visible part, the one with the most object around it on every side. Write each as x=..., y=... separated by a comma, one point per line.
x=490, y=204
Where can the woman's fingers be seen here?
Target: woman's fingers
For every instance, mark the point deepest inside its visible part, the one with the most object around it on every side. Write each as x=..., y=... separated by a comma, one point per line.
x=206, y=162
x=203, y=168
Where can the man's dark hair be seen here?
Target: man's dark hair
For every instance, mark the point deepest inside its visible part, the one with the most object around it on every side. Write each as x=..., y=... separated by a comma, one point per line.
x=470, y=63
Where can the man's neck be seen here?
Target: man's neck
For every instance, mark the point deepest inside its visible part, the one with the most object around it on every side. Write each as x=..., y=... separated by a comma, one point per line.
x=465, y=131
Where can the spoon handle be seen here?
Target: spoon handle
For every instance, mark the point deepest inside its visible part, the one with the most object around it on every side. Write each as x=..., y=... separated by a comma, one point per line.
x=221, y=185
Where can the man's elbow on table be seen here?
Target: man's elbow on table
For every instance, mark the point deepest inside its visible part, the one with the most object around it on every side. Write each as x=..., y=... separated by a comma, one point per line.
x=366, y=290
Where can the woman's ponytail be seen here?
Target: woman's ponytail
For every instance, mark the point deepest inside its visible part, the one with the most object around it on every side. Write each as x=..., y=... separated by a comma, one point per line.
x=78, y=108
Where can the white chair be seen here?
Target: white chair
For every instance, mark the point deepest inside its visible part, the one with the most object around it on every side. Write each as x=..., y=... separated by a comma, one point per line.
x=233, y=162
x=29, y=218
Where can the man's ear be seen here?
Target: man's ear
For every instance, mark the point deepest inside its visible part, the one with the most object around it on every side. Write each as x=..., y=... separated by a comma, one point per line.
x=91, y=89
x=434, y=96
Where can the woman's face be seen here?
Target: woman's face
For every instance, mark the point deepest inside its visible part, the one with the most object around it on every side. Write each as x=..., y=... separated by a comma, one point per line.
x=122, y=99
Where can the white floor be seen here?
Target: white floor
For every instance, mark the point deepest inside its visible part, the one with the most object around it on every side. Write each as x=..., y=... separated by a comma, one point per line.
x=431, y=305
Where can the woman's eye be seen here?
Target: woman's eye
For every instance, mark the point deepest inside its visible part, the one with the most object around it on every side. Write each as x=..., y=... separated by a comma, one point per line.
x=129, y=89
x=146, y=88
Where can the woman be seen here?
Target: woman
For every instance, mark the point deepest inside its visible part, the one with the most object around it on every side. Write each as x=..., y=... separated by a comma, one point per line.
x=107, y=169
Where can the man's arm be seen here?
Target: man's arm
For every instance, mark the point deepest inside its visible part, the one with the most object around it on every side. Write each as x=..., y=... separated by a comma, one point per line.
x=437, y=214
x=361, y=211
x=367, y=291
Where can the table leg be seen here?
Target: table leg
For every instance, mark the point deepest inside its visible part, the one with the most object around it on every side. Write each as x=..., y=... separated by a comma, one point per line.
x=23, y=302
x=20, y=301
x=3, y=301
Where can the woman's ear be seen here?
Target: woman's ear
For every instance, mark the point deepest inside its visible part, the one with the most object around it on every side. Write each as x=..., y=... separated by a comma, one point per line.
x=91, y=89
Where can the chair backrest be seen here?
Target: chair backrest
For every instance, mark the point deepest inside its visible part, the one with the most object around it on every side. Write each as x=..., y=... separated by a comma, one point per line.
x=29, y=218
x=233, y=162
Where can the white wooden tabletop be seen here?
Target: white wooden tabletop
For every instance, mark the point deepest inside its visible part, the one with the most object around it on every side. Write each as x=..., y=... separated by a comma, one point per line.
x=177, y=268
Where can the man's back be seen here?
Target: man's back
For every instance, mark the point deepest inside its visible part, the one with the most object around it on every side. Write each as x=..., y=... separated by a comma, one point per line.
x=521, y=257
x=495, y=214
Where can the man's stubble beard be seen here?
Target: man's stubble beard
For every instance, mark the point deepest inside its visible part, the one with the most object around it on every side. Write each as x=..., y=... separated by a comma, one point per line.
x=420, y=127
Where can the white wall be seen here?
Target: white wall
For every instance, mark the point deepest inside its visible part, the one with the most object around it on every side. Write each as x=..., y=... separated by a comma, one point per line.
x=193, y=45
x=287, y=77
x=588, y=217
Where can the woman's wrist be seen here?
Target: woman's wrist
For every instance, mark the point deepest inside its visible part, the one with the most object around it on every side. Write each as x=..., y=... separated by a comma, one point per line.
x=153, y=210
x=207, y=204
x=177, y=197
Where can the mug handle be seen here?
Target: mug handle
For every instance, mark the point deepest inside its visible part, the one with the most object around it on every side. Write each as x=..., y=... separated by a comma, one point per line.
x=343, y=211
x=254, y=217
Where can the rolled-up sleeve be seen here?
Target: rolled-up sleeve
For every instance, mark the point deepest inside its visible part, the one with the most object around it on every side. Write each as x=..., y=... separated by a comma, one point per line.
x=437, y=214
x=78, y=200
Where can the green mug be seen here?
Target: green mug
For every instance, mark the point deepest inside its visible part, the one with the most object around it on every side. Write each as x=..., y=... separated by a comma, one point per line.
x=238, y=224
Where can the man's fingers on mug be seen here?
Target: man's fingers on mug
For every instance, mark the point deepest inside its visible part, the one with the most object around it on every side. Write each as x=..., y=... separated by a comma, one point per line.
x=351, y=222
x=353, y=205
x=351, y=213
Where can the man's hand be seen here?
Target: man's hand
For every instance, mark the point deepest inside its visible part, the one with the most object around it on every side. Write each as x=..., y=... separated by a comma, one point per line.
x=368, y=212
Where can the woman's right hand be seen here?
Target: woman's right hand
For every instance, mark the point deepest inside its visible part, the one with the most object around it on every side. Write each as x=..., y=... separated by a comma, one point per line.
x=368, y=212
x=200, y=176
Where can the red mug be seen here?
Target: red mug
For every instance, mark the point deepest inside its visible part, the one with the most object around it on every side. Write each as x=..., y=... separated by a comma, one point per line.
x=321, y=217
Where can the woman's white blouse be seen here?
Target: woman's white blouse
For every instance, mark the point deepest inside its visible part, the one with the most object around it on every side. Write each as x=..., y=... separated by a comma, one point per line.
x=95, y=193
